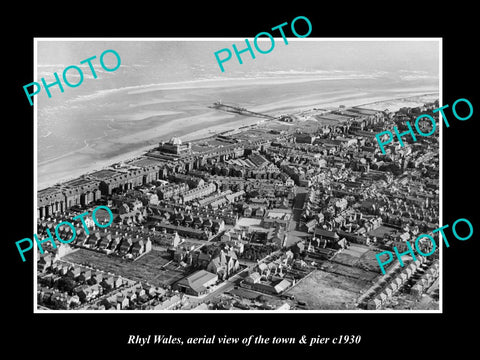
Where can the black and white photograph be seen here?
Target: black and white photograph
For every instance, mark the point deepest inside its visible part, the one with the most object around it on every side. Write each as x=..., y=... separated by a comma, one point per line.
x=197, y=181
x=259, y=188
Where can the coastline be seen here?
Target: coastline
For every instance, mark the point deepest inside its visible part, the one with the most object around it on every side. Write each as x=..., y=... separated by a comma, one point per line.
x=194, y=127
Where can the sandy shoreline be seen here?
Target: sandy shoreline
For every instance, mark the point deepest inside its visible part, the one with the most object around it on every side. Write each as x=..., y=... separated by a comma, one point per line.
x=188, y=128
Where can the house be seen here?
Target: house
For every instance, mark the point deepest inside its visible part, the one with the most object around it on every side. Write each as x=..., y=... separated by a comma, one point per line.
x=125, y=246
x=57, y=279
x=88, y=292
x=233, y=235
x=179, y=254
x=44, y=263
x=310, y=225
x=45, y=279
x=73, y=301
x=131, y=294
x=374, y=304
x=92, y=240
x=151, y=290
x=200, y=259
x=62, y=269
x=44, y=295
x=197, y=283
x=330, y=236
x=223, y=264
x=105, y=242
x=74, y=272
x=85, y=276
x=299, y=264
x=275, y=267
x=114, y=244
x=175, y=240
x=122, y=302
x=218, y=225
x=95, y=278
x=109, y=303
x=117, y=282
x=235, y=245
x=279, y=238
x=282, y=285
x=253, y=278
x=298, y=248
x=168, y=304
x=288, y=255
x=108, y=283
x=140, y=291
x=253, y=281
x=284, y=306
x=263, y=269
x=342, y=244
x=141, y=247
x=260, y=212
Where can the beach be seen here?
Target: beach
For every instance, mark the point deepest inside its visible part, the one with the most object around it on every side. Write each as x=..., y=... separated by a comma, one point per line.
x=88, y=134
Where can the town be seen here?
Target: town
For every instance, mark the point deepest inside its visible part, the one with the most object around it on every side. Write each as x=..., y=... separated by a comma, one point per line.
x=286, y=214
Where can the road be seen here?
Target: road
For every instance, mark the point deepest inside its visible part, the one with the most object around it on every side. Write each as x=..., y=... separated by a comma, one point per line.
x=298, y=203
x=294, y=233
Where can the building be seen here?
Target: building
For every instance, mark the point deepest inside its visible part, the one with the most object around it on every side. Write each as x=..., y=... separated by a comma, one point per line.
x=184, y=230
x=197, y=283
x=168, y=191
x=174, y=146
x=224, y=264
x=189, y=180
x=198, y=192
x=305, y=138
x=122, y=179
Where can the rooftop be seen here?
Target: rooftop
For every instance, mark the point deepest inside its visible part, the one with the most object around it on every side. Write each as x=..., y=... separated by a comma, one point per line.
x=145, y=161
x=197, y=279
x=104, y=174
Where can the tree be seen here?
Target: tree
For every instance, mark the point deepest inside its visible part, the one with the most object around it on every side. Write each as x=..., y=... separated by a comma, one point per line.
x=66, y=284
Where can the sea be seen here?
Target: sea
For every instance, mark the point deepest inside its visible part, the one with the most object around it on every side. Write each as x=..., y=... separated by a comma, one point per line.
x=164, y=89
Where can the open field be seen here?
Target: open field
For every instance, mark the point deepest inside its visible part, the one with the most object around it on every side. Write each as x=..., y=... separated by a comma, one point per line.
x=381, y=231
x=339, y=282
x=325, y=291
x=367, y=277
x=369, y=262
x=359, y=256
x=146, y=269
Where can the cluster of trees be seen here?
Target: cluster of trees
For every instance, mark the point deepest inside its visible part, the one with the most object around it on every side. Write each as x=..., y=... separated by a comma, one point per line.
x=255, y=252
x=208, y=249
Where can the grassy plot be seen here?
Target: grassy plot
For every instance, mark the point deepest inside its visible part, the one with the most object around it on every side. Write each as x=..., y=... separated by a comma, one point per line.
x=339, y=282
x=147, y=269
x=325, y=291
x=358, y=256
x=348, y=271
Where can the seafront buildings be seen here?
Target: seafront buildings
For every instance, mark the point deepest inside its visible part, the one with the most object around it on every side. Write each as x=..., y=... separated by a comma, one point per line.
x=286, y=214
